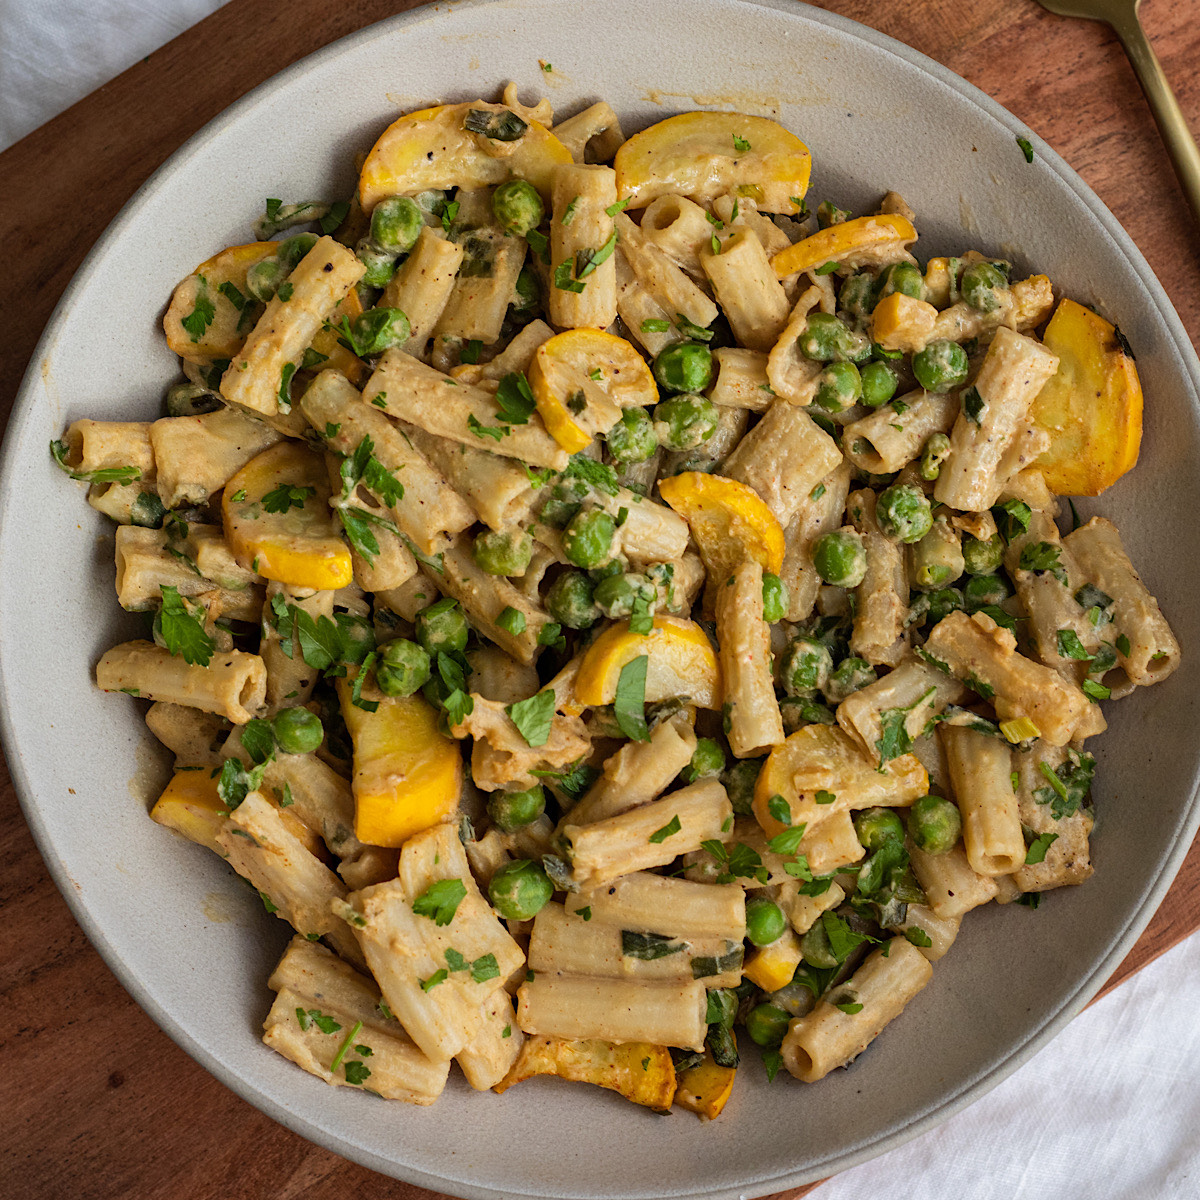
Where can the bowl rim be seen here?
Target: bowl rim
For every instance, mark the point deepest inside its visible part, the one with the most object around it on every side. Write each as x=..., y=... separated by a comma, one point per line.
x=22, y=414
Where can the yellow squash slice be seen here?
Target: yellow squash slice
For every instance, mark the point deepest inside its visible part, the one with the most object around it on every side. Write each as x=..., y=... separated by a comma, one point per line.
x=1091, y=407
x=190, y=805
x=772, y=967
x=681, y=662
x=434, y=149
x=407, y=775
x=199, y=299
x=703, y=155
x=846, y=244
x=278, y=523
x=729, y=521
x=704, y=1089
x=639, y=1071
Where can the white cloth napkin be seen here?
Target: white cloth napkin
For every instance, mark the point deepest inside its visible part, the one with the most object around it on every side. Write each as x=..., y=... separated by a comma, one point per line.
x=1110, y=1110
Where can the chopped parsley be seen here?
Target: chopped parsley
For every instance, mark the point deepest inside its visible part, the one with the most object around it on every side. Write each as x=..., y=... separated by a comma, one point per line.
x=973, y=404
x=740, y=144
x=671, y=828
x=286, y=497
x=182, y=631
x=648, y=946
x=630, y=701
x=196, y=323
x=1026, y=148
x=515, y=398
x=534, y=717
x=439, y=901
x=1038, y=847
x=1069, y=646
x=1069, y=784
x=58, y=451
x=779, y=809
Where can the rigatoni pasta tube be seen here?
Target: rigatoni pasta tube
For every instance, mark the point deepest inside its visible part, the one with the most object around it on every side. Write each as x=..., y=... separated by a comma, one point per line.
x=490, y=1054
x=580, y=227
x=828, y=1037
x=740, y=379
x=745, y=286
x=255, y=377
x=882, y=597
x=486, y=282
x=951, y=885
x=614, y=1010
x=671, y=288
x=678, y=227
x=981, y=773
x=679, y=907
x=289, y=677
x=820, y=512
x=754, y=721
x=422, y=285
x=891, y=437
x=107, y=445
x=234, y=684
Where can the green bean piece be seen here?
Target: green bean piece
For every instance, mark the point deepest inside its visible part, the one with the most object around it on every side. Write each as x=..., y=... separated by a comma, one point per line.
x=684, y=367
x=739, y=783
x=807, y=666
x=381, y=265
x=708, y=759
x=815, y=948
x=403, y=667
x=935, y=452
x=940, y=366
x=876, y=827
x=901, y=277
x=775, y=598
x=520, y=890
x=632, y=439
x=765, y=921
x=945, y=601
x=528, y=291
x=982, y=284
x=263, y=279
x=683, y=422
x=981, y=591
x=839, y=387
x=514, y=810
x=879, y=383
x=297, y=731
x=507, y=553
x=903, y=513
x=442, y=628
x=983, y=557
x=840, y=558
x=934, y=824
x=767, y=1025
x=849, y=676
x=588, y=539
x=857, y=297
x=938, y=558
x=379, y=329
x=191, y=400
x=396, y=223
x=570, y=602
x=517, y=207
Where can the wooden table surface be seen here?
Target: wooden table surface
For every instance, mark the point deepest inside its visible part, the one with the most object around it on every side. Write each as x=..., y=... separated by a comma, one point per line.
x=96, y=1102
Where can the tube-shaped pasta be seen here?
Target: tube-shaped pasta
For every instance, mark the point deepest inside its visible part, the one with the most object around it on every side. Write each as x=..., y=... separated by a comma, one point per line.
x=981, y=774
x=791, y=375
x=191, y=735
x=803, y=911
x=422, y=285
x=516, y=356
x=208, y=549
x=745, y=286
x=404, y=387
x=740, y=379
x=828, y=1037
x=256, y=377
x=984, y=656
x=1067, y=859
x=940, y=931
x=289, y=677
x=951, y=885
x=667, y=283
x=234, y=684
x=993, y=417
x=105, y=445
x=882, y=597
x=678, y=227
x=592, y=135
x=644, y=901
x=581, y=229
x=820, y=512
x=891, y=437
x=741, y=212
x=487, y=1058
x=647, y=318
x=614, y=1010
x=754, y=721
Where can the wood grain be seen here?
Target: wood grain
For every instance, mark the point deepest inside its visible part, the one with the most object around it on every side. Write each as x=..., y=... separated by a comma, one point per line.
x=134, y=1116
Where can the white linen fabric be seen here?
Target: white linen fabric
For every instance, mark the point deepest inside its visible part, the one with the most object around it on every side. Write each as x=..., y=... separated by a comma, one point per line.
x=1111, y=1108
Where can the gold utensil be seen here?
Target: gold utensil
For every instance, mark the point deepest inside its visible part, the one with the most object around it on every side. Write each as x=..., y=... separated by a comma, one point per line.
x=1122, y=16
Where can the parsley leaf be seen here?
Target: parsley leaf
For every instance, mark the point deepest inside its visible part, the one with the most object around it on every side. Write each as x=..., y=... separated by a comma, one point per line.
x=894, y=738
x=586, y=261
x=286, y=497
x=201, y=317
x=496, y=432
x=1012, y=518
x=1069, y=646
x=515, y=398
x=787, y=842
x=648, y=946
x=779, y=809
x=842, y=939
x=427, y=985
x=973, y=404
x=484, y=968
x=182, y=632
x=534, y=717
x=357, y=1072
x=1026, y=148
x=258, y=740
x=918, y=937
x=512, y=621
x=671, y=828
x=740, y=144
x=440, y=901
x=1040, y=557
x=1038, y=847
x=593, y=473
x=1069, y=784
x=629, y=703
x=564, y=280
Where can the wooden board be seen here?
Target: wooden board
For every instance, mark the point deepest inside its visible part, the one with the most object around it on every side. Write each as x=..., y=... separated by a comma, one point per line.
x=98, y=1103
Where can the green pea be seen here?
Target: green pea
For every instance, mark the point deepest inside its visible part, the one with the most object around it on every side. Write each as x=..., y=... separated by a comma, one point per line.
x=775, y=598
x=857, y=297
x=520, y=890
x=981, y=286
x=380, y=264
x=840, y=558
x=632, y=439
x=290, y=252
x=358, y=636
x=765, y=921
x=879, y=383
x=507, y=553
x=379, y=329
x=615, y=595
x=683, y=422
x=940, y=366
x=849, y=676
x=945, y=601
x=528, y=291
x=935, y=452
x=937, y=559
x=901, y=277
x=442, y=628
x=514, y=810
x=739, y=783
x=983, y=558
x=983, y=590
x=564, y=501
x=403, y=667
x=767, y=1025
x=839, y=386
x=297, y=730
x=807, y=666
x=606, y=571
x=263, y=279
x=517, y=207
x=569, y=601
x=191, y=400
x=934, y=824
x=684, y=367
x=904, y=513
x=824, y=337
x=876, y=827
x=396, y=223
x=815, y=948
x=708, y=759
x=588, y=539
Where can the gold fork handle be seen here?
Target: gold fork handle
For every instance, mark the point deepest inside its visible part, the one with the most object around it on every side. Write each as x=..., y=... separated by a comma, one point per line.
x=1181, y=145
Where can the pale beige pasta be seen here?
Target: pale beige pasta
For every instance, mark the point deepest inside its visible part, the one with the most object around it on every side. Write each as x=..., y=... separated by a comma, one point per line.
x=882, y=597
x=421, y=286
x=108, y=445
x=516, y=356
x=592, y=135
x=740, y=379
x=289, y=677
x=745, y=287
x=194, y=737
x=892, y=436
x=940, y=932
x=818, y=513
x=675, y=293
x=981, y=775
x=647, y=319
x=951, y=885
x=581, y=226
x=1067, y=858
x=804, y=911
x=490, y=1054
x=678, y=227
x=644, y=901
x=791, y=375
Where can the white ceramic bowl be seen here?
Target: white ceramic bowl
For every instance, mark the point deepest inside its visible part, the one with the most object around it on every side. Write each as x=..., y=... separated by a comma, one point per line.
x=192, y=943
